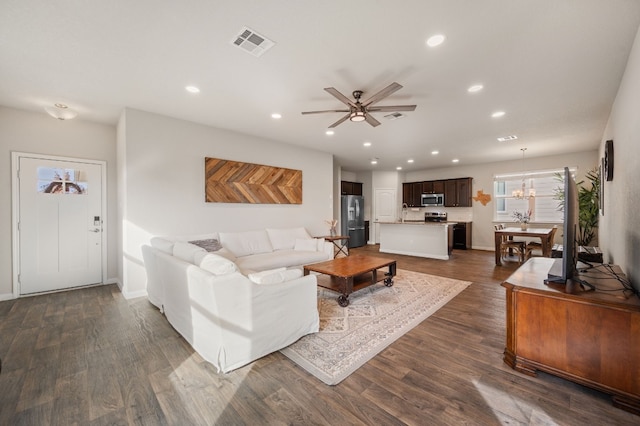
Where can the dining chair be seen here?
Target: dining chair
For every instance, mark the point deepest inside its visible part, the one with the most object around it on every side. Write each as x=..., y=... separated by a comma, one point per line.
x=506, y=245
x=537, y=245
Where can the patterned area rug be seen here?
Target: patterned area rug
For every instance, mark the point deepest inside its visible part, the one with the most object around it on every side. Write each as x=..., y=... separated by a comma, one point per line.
x=375, y=318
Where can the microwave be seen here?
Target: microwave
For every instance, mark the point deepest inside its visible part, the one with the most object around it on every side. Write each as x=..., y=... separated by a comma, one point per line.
x=432, y=200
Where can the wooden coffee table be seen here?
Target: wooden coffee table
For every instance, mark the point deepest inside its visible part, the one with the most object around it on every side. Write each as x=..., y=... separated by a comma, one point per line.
x=351, y=273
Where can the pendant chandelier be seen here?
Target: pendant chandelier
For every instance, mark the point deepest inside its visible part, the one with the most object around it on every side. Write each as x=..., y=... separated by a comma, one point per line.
x=522, y=193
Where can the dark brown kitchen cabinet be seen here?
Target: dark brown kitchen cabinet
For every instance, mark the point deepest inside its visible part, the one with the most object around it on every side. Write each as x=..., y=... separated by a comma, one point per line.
x=433, y=187
x=350, y=188
x=411, y=194
x=457, y=192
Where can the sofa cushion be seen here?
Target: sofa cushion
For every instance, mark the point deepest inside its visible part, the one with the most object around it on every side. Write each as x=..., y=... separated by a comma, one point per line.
x=306, y=244
x=286, y=238
x=274, y=276
x=280, y=258
x=210, y=244
x=186, y=251
x=246, y=243
x=213, y=263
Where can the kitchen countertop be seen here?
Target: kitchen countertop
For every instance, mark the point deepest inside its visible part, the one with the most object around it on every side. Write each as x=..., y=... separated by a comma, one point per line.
x=416, y=222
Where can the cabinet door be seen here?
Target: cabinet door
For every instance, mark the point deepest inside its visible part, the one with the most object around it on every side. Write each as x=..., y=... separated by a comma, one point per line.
x=346, y=188
x=407, y=193
x=450, y=193
x=427, y=187
x=416, y=198
x=357, y=188
x=438, y=186
x=463, y=189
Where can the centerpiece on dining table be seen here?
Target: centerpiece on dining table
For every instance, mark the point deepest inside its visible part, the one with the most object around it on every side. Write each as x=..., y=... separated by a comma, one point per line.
x=522, y=218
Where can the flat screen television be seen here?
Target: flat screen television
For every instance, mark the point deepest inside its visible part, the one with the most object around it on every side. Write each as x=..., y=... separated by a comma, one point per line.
x=564, y=271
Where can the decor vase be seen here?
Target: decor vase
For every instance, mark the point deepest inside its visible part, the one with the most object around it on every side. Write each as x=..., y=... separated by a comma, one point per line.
x=523, y=226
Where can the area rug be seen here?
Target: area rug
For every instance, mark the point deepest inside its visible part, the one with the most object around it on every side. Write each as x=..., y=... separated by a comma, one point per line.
x=375, y=318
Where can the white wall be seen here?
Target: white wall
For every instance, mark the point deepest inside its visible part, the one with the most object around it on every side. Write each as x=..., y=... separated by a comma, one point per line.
x=40, y=134
x=619, y=234
x=162, y=185
x=482, y=174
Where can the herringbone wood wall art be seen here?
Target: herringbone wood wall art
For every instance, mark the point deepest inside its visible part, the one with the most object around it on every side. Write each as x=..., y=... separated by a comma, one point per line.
x=235, y=182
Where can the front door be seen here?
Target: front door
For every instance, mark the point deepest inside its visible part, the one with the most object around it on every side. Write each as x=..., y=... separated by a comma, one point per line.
x=59, y=224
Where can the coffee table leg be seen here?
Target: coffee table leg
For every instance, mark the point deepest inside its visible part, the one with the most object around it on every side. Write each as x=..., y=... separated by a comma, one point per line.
x=388, y=281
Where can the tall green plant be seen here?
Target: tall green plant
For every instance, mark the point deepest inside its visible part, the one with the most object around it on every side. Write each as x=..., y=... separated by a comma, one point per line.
x=588, y=205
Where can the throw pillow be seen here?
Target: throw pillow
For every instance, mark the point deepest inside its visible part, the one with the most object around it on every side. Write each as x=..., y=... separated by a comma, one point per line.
x=320, y=242
x=209, y=244
x=275, y=276
x=285, y=238
x=213, y=263
x=308, y=244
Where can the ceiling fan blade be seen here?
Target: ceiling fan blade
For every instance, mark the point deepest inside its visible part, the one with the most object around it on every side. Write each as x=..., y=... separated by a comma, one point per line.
x=393, y=108
x=369, y=119
x=382, y=94
x=342, y=98
x=339, y=121
x=328, y=110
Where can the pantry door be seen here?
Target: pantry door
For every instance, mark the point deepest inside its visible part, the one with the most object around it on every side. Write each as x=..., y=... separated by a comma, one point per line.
x=60, y=223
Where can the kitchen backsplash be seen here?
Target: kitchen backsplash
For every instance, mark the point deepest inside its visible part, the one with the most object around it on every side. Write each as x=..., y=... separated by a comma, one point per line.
x=454, y=214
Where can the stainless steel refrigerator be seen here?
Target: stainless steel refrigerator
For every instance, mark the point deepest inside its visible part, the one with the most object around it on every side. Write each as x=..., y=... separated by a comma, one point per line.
x=352, y=219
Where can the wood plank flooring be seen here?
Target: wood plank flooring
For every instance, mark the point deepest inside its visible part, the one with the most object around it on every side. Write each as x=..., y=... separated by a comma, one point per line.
x=90, y=357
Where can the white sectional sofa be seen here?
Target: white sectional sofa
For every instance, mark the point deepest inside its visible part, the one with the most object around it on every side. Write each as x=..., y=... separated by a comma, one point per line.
x=243, y=300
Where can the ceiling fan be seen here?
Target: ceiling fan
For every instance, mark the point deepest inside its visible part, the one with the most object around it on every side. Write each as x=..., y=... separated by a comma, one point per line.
x=360, y=111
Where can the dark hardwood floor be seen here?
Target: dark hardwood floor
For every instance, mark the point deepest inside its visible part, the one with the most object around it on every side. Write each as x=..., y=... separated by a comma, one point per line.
x=90, y=357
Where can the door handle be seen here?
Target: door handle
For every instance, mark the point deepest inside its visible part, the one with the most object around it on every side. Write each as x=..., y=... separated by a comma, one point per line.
x=94, y=230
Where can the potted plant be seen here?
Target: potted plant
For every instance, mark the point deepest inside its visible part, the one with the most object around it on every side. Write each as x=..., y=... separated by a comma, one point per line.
x=522, y=218
x=588, y=206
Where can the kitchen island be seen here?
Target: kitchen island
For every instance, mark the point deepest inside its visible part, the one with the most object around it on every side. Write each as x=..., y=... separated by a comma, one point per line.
x=423, y=239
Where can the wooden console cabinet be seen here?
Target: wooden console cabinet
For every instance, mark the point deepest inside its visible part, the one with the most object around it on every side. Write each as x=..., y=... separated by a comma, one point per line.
x=589, y=337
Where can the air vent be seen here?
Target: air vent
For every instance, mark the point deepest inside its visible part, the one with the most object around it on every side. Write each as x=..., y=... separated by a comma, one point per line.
x=252, y=42
x=507, y=138
x=393, y=116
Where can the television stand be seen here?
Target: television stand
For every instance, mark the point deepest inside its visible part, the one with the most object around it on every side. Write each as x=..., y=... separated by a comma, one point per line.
x=588, y=337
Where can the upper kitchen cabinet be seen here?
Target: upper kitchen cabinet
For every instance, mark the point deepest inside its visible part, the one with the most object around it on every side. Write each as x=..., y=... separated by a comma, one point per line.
x=457, y=192
x=411, y=192
x=433, y=187
x=350, y=188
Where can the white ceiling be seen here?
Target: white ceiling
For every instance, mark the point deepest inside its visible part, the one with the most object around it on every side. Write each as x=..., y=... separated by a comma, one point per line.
x=554, y=66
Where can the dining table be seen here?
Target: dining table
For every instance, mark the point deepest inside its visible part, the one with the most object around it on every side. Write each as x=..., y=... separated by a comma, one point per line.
x=543, y=233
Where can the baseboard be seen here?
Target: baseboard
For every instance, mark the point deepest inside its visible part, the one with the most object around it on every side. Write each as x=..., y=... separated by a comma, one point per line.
x=134, y=294
x=6, y=296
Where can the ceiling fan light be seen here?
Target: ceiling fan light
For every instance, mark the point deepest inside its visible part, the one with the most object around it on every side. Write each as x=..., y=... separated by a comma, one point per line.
x=61, y=112
x=357, y=116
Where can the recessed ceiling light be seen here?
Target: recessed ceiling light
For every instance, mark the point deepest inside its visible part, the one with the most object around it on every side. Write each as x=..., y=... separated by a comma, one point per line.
x=475, y=88
x=398, y=168
x=276, y=115
x=455, y=160
x=435, y=40
x=435, y=152
x=410, y=160
x=329, y=132
x=498, y=114
x=367, y=144
x=192, y=89
x=374, y=161
x=507, y=138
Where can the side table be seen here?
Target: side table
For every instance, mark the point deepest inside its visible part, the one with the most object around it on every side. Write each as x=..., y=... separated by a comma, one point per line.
x=341, y=242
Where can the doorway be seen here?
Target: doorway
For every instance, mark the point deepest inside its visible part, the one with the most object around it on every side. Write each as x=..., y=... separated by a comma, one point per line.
x=59, y=207
x=385, y=209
